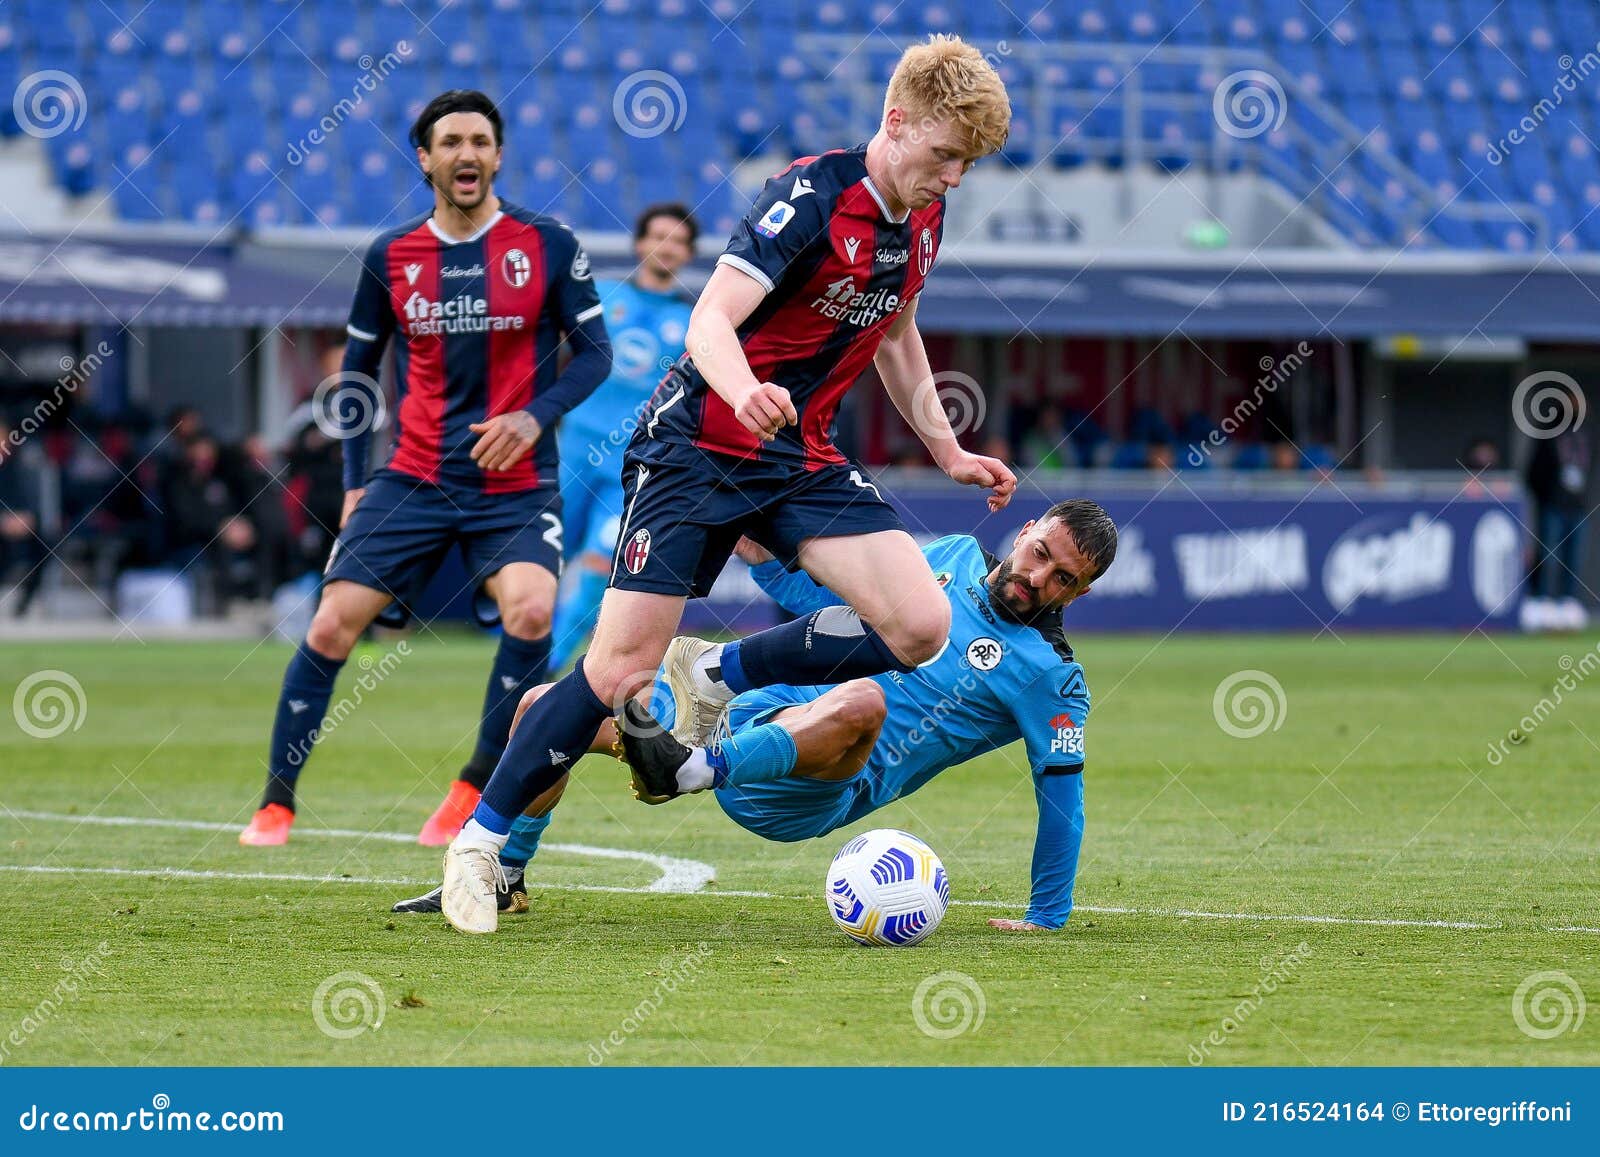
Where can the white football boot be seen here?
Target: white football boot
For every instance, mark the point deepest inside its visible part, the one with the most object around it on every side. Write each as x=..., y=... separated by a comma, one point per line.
x=698, y=705
x=473, y=881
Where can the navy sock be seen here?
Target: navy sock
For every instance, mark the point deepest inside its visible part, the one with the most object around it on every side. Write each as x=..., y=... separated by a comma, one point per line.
x=303, y=701
x=524, y=841
x=519, y=666
x=552, y=736
x=827, y=646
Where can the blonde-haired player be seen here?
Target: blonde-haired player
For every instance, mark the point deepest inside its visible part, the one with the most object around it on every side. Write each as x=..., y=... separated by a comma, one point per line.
x=820, y=279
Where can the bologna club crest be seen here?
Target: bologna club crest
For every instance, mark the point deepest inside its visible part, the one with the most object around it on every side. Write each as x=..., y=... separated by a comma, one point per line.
x=925, y=251
x=635, y=554
x=517, y=268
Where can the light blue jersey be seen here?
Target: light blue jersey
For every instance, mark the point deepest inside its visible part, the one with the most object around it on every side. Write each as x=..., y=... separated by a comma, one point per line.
x=995, y=682
x=647, y=331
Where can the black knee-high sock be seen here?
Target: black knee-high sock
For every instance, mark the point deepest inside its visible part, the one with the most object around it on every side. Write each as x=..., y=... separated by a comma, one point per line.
x=827, y=646
x=307, y=687
x=519, y=666
x=554, y=733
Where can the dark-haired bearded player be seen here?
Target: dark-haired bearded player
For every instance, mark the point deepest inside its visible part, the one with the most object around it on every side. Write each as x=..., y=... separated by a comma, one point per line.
x=479, y=295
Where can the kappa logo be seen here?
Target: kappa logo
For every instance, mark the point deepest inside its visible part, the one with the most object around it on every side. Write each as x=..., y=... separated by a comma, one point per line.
x=943, y=578
x=516, y=268
x=985, y=653
x=298, y=705
x=851, y=244
x=413, y=271
x=801, y=188
x=775, y=218
x=637, y=552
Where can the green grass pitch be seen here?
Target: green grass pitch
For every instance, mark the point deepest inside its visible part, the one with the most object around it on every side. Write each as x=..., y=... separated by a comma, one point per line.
x=1373, y=803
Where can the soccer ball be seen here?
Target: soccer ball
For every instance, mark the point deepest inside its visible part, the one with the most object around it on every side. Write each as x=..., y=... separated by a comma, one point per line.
x=887, y=887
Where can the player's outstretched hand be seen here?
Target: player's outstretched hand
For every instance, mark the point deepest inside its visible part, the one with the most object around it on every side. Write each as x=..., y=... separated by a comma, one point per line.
x=765, y=410
x=1016, y=925
x=989, y=473
x=506, y=439
x=351, y=497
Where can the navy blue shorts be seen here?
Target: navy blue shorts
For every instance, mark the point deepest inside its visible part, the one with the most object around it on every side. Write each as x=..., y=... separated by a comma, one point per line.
x=684, y=509
x=403, y=527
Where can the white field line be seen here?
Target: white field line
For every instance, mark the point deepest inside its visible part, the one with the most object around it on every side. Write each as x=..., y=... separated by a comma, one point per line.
x=678, y=876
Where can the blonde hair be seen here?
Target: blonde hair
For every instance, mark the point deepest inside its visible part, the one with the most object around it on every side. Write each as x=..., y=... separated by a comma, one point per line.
x=947, y=78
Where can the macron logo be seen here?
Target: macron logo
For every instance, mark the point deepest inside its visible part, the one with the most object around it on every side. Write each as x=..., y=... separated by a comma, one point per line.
x=413, y=271
x=508, y=682
x=801, y=188
x=298, y=705
x=851, y=244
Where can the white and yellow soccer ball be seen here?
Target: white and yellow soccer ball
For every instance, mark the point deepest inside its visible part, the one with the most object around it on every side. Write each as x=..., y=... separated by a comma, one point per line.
x=886, y=887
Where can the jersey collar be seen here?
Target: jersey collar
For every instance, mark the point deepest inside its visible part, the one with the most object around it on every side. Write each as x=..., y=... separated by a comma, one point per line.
x=883, y=206
x=448, y=240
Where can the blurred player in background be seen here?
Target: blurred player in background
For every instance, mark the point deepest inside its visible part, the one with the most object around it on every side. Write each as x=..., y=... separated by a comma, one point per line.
x=479, y=294
x=795, y=763
x=647, y=317
x=819, y=281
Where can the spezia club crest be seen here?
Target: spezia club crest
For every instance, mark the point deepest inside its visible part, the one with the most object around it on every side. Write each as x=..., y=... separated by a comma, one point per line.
x=984, y=653
x=517, y=268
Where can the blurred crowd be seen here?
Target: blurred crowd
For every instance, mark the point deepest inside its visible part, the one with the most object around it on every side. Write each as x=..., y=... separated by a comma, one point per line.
x=101, y=496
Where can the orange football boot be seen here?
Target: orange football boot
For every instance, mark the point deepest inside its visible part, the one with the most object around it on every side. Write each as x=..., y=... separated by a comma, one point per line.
x=445, y=823
x=268, y=828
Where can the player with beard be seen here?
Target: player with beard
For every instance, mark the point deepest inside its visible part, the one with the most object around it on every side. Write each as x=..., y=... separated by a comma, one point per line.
x=795, y=763
x=479, y=295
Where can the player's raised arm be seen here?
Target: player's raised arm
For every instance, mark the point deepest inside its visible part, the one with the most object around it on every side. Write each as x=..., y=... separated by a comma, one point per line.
x=902, y=363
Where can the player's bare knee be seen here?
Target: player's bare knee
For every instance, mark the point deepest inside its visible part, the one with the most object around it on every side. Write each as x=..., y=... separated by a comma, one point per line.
x=918, y=632
x=860, y=706
x=526, y=618
x=331, y=634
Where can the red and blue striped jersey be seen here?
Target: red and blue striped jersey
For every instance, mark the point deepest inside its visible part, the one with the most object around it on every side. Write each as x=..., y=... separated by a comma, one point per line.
x=479, y=322
x=838, y=269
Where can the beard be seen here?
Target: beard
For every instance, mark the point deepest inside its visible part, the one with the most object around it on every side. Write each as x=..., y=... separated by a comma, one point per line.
x=1004, y=597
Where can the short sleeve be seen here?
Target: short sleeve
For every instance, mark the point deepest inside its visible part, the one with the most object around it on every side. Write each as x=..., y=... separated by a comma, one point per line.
x=371, y=315
x=787, y=216
x=573, y=296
